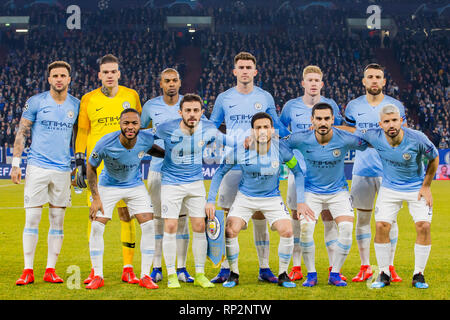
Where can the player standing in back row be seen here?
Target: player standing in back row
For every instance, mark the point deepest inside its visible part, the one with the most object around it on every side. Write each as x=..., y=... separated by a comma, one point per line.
x=99, y=115
x=363, y=113
x=296, y=115
x=50, y=116
x=236, y=107
x=157, y=111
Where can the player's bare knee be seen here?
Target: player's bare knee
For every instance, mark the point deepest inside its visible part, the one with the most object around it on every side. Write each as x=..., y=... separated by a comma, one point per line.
x=423, y=227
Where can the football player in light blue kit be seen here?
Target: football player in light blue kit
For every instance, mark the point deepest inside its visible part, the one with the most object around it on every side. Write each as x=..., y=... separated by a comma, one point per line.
x=121, y=179
x=157, y=111
x=50, y=116
x=404, y=179
x=324, y=150
x=259, y=191
x=236, y=107
x=182, y=182
x=363, y=113
x=296, y=115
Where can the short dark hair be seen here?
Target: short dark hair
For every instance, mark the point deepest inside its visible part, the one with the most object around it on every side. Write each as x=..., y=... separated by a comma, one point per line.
x=109, y=58
x=128, y=110
x=244, y=56
x=261, y=115
x=375, y=66
x=321, y=106
x=191, y=97
x=58, y=64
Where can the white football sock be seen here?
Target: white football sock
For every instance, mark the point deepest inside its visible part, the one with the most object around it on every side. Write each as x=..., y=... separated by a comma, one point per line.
x=96, y=247
x=363, y=235
x=30, y=235
x=232, y=248
x=297, y=251
x=147, y=247
x=169, y=251
x=393, y=236
x=285, y=248
x=55, y=235
x=330, y=233
x=199, y=250
x=262, y=238
x=421, y=254
x=182, y=241
x=308, y=245
x=343, y=245
x=158, y=224
x=382, y=252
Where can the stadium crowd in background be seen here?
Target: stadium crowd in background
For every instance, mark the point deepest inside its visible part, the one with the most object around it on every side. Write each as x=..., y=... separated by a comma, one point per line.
x=284, y=40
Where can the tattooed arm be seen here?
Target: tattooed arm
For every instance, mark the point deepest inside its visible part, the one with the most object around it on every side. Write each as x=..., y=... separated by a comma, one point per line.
x=19, y=144
x=96, y=204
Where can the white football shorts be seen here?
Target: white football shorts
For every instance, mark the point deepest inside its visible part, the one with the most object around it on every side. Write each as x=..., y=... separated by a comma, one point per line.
x=390, y=201
x=338, y=203
x=154, y=189
x=136, y=199
x=273, y=208
x=363, y=191
x=191, y=195
x=46, y=186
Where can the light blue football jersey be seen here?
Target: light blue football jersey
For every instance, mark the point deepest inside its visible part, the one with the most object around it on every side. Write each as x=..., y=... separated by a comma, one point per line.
x=157, y=111
x=360, y=114
x=51, y=132
x=122, y=165
x=260, y=172
x=184, y=153
x=296, y=115
x=403, y=168
x=325, y=163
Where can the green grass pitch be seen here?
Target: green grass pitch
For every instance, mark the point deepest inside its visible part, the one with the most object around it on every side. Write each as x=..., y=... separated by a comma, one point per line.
x=75, y=256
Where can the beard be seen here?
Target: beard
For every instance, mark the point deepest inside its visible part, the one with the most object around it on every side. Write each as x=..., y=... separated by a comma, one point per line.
x=323, y=133
x=124, y=134
x=63, y=88
x=392, y=134
x=186, y=123
x=374, y=92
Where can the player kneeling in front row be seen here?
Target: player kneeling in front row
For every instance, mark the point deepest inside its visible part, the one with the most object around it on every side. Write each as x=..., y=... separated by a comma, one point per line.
x=401, y=150
x=122, y=152
x=324, y=150
x=259, y=191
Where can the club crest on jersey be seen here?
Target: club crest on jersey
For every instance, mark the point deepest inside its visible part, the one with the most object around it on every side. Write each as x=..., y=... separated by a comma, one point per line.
x=126, y=105
x=406, y=156
x=275, y=164
x=141, y=154
x=201, y=143
x=70, y=114
x=258, y=106
x=213, y=228
x=336, y=153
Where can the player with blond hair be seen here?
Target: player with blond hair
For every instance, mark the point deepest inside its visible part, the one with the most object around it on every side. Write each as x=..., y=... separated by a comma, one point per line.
x=296, y=115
